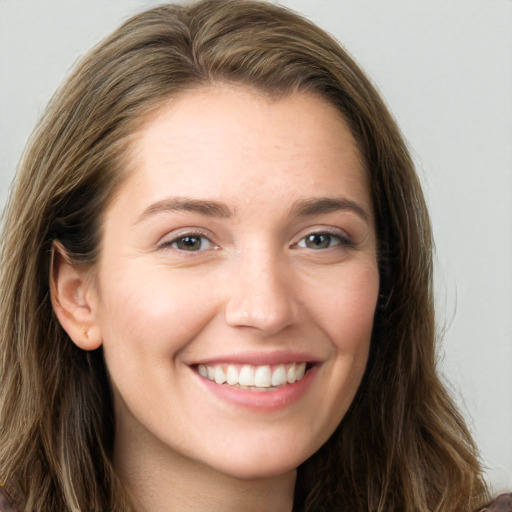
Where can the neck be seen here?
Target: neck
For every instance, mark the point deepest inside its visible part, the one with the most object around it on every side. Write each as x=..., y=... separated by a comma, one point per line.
x=161, y=480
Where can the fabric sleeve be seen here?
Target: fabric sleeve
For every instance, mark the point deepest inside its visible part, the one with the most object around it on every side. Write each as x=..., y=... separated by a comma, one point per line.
x=502, y=503
x=5, y=502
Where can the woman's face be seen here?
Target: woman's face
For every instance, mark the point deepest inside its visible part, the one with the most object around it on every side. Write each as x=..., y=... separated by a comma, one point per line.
x=237, y=281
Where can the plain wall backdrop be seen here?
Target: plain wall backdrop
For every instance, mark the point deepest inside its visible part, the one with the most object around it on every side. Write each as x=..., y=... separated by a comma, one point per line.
x=445, y=69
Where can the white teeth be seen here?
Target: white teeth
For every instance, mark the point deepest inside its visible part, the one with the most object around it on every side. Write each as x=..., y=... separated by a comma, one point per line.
x=253, y=377
x=220, y=376
x=262, y=377
x=232, y=375
x=246, y=377
x=291, y=376
x=300, y=370
x=279, y=376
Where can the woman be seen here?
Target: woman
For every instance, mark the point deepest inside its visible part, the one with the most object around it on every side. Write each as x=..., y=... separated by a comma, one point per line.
x=216, y=284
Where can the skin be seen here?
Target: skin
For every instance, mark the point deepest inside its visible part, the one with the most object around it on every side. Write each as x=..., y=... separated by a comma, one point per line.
x=254, y=286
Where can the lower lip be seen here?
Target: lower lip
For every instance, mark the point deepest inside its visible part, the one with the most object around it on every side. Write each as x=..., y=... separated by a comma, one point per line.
x=271, y=400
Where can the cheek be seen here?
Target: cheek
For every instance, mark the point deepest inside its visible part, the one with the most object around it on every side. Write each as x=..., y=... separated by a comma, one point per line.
x=347, y=307
x=152, y=312
x=345, y=311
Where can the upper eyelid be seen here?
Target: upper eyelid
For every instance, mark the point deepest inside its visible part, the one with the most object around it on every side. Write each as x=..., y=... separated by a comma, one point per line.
x=328, y=230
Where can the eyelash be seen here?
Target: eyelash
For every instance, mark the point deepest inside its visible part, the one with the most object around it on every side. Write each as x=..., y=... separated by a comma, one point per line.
x=342, y=240
x=190, y=234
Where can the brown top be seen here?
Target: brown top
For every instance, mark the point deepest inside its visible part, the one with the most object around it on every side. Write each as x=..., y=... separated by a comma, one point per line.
x=10, y=503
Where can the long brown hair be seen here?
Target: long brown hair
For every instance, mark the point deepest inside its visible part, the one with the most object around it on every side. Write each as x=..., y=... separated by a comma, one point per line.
x=401, y=446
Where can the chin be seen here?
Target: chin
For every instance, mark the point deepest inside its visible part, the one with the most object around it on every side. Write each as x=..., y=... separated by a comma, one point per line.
x=261, y=472
x=260, y=465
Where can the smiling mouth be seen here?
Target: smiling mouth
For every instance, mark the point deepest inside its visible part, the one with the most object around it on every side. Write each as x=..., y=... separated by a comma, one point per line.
x=254, y=378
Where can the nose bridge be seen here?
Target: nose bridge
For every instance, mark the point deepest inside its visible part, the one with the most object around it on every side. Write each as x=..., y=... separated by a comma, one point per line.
x=260, y=296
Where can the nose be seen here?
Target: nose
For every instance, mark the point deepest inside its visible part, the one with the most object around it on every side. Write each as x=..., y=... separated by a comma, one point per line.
x=261, y=295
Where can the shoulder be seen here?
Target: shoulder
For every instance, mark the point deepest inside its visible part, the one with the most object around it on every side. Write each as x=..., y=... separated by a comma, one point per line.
x=503, y=503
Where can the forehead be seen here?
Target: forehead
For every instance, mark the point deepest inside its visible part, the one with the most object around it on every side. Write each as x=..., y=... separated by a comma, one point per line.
x=202, y=140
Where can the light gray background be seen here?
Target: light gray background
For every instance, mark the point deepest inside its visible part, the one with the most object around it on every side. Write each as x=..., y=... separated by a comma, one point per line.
x=445, y=69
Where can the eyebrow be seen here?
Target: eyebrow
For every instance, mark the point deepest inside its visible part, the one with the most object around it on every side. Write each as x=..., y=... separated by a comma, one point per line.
x=301, y=208
x=321, y=205
x=185, y=204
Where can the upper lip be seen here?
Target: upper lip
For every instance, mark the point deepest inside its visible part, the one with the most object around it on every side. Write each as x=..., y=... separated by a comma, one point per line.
x=259, y=358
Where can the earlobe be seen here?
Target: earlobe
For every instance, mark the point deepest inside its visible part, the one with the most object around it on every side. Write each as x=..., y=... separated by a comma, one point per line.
x=74, y=300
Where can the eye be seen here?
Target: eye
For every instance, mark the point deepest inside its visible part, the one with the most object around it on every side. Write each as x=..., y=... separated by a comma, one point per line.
x=318, y=241
x=190, y=243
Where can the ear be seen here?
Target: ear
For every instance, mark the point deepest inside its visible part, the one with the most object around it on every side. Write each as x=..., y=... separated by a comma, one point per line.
x=74, y=300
